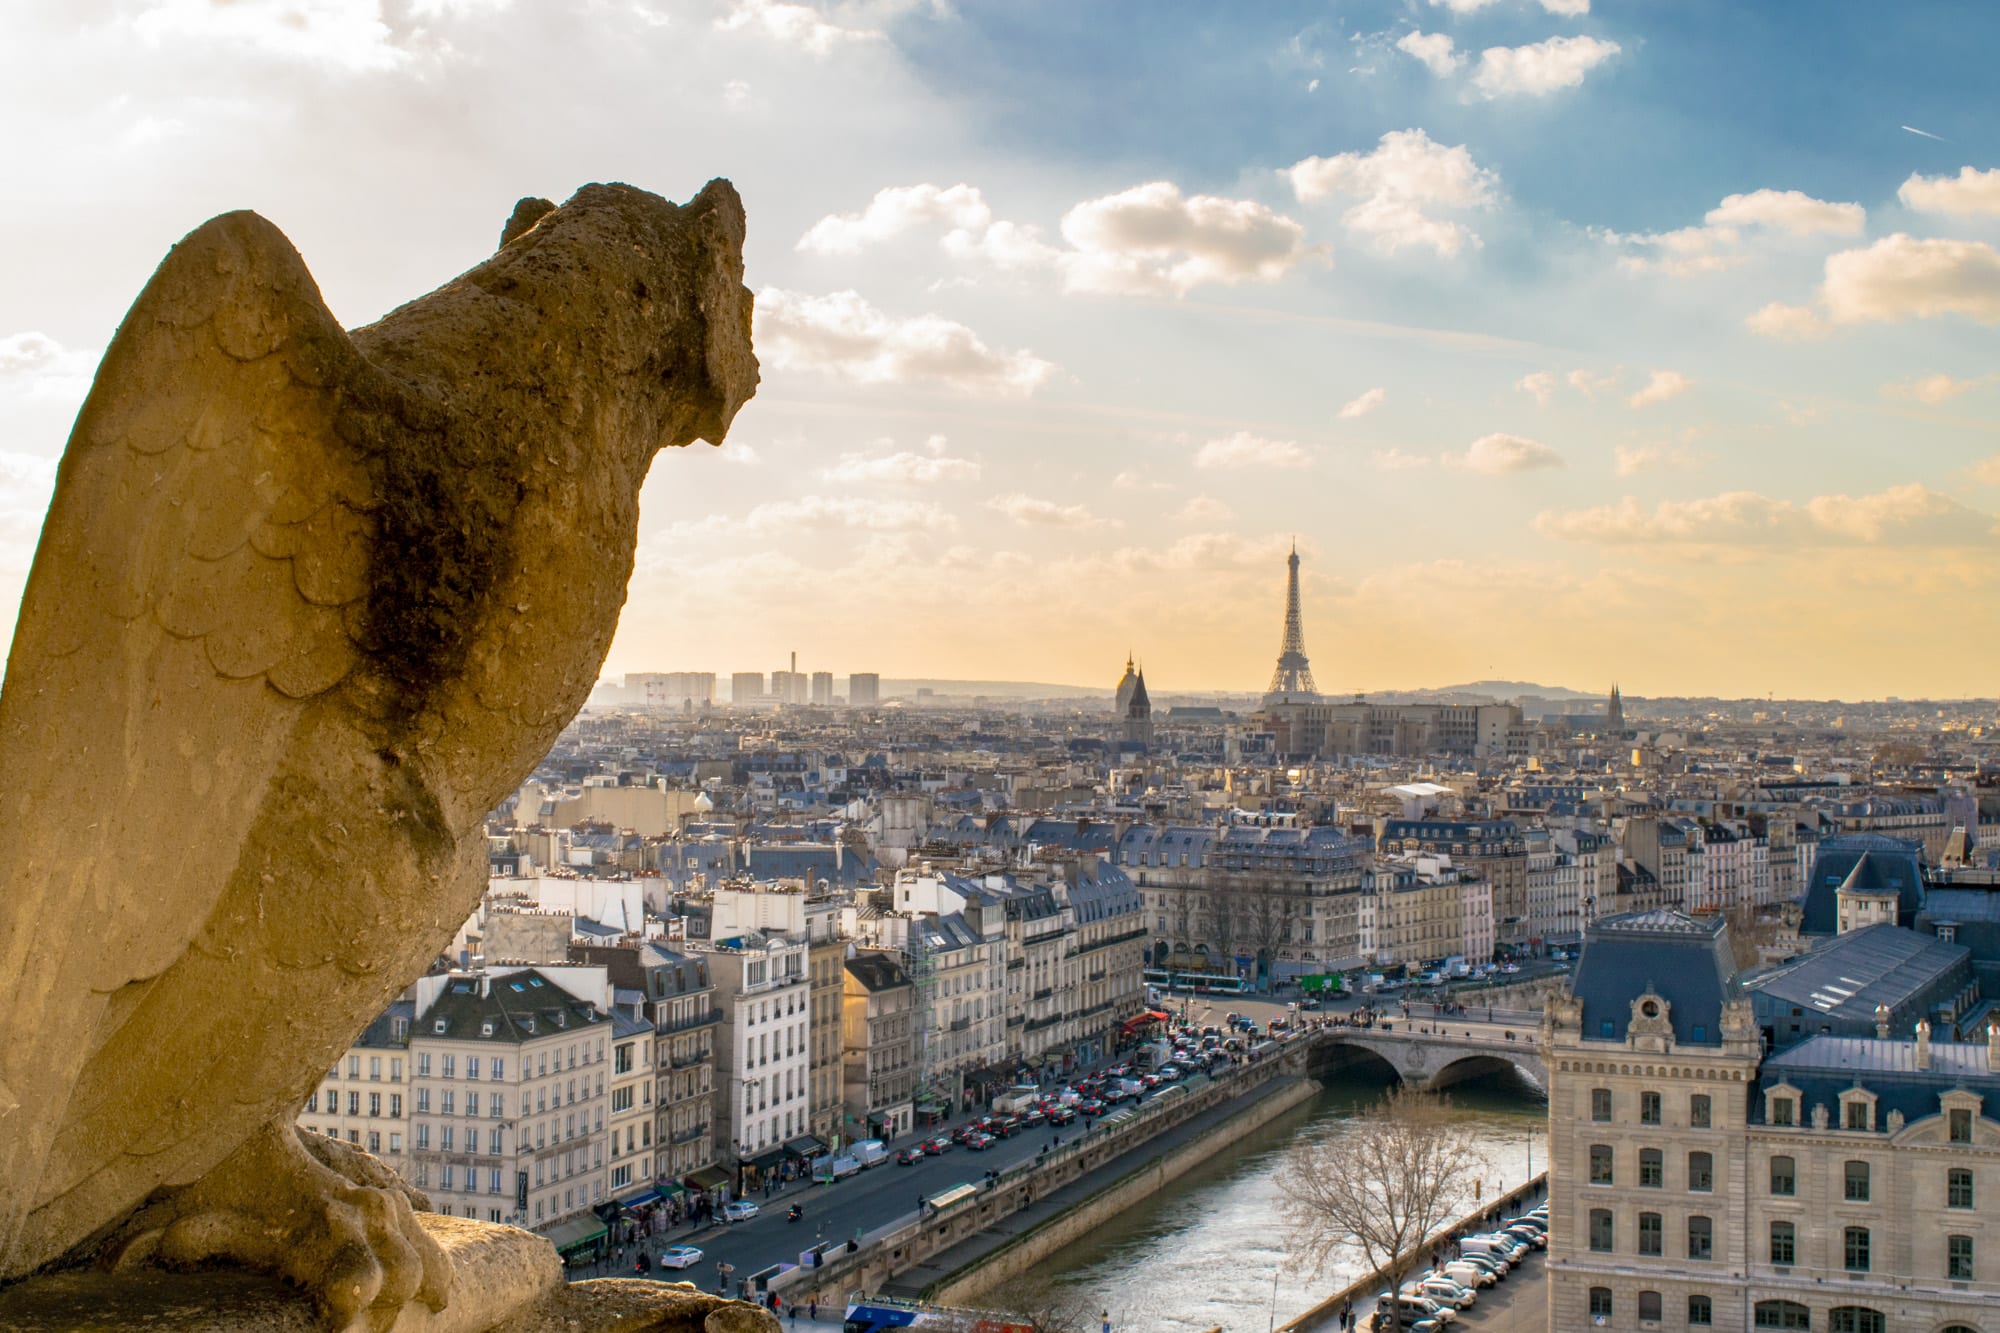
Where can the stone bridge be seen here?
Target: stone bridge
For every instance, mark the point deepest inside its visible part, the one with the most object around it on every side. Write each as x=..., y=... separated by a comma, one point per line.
x=1424, y=1053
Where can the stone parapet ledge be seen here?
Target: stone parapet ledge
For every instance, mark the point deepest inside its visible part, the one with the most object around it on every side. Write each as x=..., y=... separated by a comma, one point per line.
x=504, y=1280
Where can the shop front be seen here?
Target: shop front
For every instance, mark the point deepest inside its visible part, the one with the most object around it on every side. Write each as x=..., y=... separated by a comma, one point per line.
x=579, y=1240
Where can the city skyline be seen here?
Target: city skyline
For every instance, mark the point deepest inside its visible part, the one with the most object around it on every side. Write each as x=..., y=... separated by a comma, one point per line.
x=1576, y=343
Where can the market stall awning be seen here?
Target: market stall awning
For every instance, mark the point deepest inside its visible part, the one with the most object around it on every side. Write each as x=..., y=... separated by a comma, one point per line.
x=806, y=1146
x=1149, y=1016
x=639, y=1198
x=766, y=1161
x=575, y=1234
x=707, y=1178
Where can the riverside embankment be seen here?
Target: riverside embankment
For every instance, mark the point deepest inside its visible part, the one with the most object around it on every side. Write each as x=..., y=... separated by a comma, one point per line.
x=916, y=1255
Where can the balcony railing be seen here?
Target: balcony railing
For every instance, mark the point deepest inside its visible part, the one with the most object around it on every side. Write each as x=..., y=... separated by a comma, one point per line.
x=1127, y=937
x=960, y=1024
x=687, y=1024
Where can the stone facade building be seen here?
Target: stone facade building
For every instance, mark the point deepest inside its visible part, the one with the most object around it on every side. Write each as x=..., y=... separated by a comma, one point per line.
x=878, y=1029
x=1698, y=1183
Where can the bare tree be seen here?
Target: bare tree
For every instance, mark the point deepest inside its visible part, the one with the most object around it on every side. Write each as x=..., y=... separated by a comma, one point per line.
x=1044, y=1305
x=1395, y=1174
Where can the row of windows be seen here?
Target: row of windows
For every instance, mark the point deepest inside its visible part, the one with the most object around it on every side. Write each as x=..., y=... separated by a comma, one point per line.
x=1855, y=1182
x=1857, y=1243
x=1700, y=1109
x=1700, y=1234
x=374, y=1069
x=354, y=1103
x=1765, y=1315
x=1653, y=1169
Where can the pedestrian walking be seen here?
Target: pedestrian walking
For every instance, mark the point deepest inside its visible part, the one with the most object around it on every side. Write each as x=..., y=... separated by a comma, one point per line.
x=812, y=1310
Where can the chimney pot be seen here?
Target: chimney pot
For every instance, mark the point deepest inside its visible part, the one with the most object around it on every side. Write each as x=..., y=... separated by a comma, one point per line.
x=1993, y=1047
x=1923, y=1045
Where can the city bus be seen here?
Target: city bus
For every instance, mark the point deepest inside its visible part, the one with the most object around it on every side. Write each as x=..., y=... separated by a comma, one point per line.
x=1202, y=983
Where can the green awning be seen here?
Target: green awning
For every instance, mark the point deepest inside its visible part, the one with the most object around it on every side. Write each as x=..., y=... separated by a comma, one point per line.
x=707, y=1178
x=575, y=1234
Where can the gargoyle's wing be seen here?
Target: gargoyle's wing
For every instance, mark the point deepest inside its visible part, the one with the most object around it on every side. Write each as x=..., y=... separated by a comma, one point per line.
x=201, y=576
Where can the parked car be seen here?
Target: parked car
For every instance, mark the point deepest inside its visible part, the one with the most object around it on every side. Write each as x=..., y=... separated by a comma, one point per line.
x=1509, y=969
x=680, y=1256
x=738, y=1210
x=1468, y=1274
x=1443, y=1290
x=1491, y=1263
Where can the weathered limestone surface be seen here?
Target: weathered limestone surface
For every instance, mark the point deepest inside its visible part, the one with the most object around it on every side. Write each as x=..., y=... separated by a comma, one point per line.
x=307, y=604
x=504, y=1281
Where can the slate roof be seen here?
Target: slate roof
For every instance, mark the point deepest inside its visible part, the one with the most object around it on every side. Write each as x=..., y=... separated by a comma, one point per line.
x=1823, y=1067
x=520, y=1006
x=1895, y=863
x=1684, y=960
x=1850, y=974
x=877, y=971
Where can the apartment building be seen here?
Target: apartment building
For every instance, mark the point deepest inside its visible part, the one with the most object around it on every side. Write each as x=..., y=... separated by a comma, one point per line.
x=632, y=1117
x=878, y=1047
x=826, y=955
x=762, y=1051
x=363, y=1100
x=510, y=1092
x=1492, y=849
x=679, y=999
x=1697, y=1182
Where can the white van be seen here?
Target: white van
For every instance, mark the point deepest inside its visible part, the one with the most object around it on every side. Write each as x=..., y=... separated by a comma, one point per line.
x=871, y=1152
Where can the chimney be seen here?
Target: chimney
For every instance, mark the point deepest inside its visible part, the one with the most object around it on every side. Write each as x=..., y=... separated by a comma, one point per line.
x=1923, y=1045
x=1882, y=1022
x=1993, y=1048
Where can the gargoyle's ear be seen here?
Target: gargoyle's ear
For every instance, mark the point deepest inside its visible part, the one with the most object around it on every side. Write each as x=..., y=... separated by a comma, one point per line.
x=725, y=305
x=526, y=214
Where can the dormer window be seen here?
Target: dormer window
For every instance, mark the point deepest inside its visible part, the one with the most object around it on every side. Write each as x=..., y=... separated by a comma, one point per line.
x=438, y=1026
x=1783, y=1111
x=486, y=1028
x=1857, y=1110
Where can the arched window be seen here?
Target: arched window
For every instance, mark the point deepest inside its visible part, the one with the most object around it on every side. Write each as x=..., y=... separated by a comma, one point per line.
x=1781, y=1314
x=1701, y=1172
x=1856, y=1249
x=1600, y=1164
x=1856, y=1319
x=1600, y=1302
x=1652, y=1169
x=1600, y=1229
x=1857, y=1182
x=1784, y=1176
x=1957, y=1188
x=1649, y=1306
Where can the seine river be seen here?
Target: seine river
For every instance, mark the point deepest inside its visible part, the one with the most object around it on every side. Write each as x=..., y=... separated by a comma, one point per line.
x=1205, y=1251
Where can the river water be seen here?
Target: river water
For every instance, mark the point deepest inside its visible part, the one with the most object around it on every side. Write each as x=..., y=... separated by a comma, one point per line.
x=1205, y=1251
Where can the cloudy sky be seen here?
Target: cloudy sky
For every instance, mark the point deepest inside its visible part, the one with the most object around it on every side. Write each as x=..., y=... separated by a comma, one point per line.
x=1573, y=340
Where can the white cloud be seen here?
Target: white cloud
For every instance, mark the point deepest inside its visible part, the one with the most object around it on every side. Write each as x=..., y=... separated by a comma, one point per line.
x=1434, y=50
x=1362, y=404
x=1718, y=243
x=1935, y=388
x=1663, y=385
x=1397, y=185
x=1903, y=277
x=736, y=94
x=1790, y=211
x=791, y=24
x=1540, y=69
x=1987, y=470
x=900, y=469
x=1129, y=480
x=1146, y=240
x=1398, y=460
x=33, y=363
x=1540, y=385
x=843, y=336
x=26, y=483
x=1244, y=450
x=1899, y=277
x=1590, y=384
x=1032, y=512
x=896, y=210
x=335, y=35
x=1567, y=8
x=1636, y=458
x=1788, y=323
x=1969, y=194
x=1205, y=509
x=1153, y=238
x=1912, y=515
x=1501, y=454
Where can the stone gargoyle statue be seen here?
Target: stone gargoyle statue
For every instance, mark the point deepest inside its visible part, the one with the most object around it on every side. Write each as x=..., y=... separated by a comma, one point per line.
x=307, y=604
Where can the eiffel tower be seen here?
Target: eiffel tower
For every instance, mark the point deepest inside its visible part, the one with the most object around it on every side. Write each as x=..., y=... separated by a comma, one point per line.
x=1294, y=677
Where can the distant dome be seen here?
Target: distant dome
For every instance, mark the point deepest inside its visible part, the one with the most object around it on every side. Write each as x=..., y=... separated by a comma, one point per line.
x=703, y=804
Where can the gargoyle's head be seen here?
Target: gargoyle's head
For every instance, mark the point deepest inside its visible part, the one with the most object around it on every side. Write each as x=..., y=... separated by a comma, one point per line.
x=651, y=290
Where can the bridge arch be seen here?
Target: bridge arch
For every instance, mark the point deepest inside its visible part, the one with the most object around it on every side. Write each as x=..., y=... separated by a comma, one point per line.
x=1480, y=1064
x=1333, y=1056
